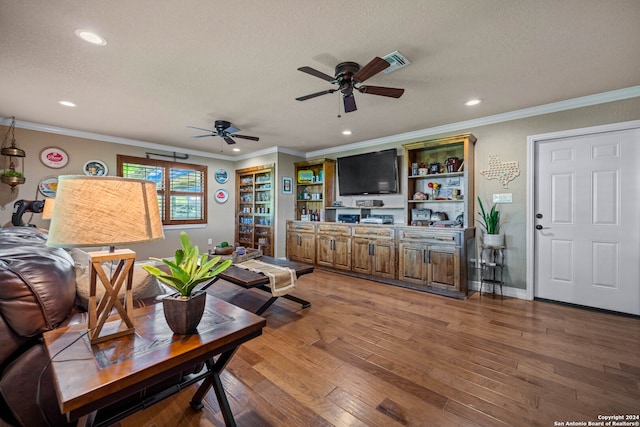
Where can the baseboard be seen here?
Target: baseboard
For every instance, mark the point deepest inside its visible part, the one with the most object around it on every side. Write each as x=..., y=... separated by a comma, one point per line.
x=507, y=290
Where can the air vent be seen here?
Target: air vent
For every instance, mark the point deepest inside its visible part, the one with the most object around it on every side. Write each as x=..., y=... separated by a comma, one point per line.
x=397, y=60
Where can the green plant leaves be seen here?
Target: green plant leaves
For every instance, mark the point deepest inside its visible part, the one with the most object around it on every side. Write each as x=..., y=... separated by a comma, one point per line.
x=188, y=269
x=490, y=221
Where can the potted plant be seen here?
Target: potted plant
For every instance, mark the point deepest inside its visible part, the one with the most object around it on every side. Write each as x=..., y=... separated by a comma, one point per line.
x=490, y=221
x=184, y=309
x=12, y=177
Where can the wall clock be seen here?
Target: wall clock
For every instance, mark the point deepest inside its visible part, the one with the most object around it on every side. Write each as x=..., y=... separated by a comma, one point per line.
x=54, y=157
x=222, y=196
x=222, y=176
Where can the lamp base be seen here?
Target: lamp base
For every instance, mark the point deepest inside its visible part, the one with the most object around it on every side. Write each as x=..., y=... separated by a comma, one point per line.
x=100, y=311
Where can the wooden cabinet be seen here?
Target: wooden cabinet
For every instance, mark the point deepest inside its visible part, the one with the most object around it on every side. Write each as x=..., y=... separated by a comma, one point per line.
x=301, y=242
x=314, y=189
x=440, y=179
x=333, y=246
x=374, y=251
x=255, y=207
x=434, y=258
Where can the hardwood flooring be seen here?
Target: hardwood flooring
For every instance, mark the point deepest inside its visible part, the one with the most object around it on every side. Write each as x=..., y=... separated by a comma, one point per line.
x=368, y=354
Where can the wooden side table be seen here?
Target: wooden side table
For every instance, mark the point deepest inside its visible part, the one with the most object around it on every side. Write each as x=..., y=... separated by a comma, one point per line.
x=89, y=378
x=492, y=267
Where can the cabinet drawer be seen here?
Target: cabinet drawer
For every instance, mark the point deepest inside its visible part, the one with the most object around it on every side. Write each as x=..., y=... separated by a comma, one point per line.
x=374, y=231
x=334, y=229
x=301, y=226
x=430, y=235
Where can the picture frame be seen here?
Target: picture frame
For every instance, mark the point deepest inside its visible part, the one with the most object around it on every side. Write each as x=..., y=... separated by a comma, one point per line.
x=287, y=185
x=54, y=157
x=95, y=168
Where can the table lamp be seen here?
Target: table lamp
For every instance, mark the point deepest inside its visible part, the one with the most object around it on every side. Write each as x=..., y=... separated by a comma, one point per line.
x=103, y=211
x=47, y=211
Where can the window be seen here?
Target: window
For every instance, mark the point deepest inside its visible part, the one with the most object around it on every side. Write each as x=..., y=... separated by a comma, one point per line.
x=182, y=187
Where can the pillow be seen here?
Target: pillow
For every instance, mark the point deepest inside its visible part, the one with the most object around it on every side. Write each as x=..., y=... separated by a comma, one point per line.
x=144, y=285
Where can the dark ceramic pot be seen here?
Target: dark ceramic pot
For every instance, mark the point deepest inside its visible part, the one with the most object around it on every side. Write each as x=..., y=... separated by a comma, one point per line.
x=183, y=314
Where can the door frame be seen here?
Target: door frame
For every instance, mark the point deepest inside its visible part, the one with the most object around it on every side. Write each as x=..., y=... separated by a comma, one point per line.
x=532, y=144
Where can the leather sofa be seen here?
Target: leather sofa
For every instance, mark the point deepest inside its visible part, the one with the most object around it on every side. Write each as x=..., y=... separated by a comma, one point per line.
x=37, y=294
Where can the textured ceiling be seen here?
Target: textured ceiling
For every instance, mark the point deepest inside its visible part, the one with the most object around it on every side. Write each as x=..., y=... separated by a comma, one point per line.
x=168, y=64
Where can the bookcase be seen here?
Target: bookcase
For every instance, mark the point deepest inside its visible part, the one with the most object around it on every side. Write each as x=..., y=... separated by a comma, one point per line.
x=315, y=188
x=255, y=208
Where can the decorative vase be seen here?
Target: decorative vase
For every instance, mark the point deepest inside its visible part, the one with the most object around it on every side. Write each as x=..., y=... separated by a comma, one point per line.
x=493, y=239
x=183, y=314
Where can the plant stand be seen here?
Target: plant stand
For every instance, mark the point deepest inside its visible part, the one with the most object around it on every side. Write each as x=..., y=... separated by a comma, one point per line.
x=491, y=267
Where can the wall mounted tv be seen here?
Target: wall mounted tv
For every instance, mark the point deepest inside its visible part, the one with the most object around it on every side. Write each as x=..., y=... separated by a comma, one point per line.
x=369, y=173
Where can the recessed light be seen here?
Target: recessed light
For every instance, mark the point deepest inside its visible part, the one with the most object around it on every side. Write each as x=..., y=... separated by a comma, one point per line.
x=236, y=149
x=91, y=37
x=67, y=103
x=473, y=102
x=346, y=132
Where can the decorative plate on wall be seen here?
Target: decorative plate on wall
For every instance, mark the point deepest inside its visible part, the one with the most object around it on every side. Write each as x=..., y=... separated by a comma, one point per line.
x=95, y=168
x=48, y=186
x=222, y=195
x=222, y=176
x=54, y=157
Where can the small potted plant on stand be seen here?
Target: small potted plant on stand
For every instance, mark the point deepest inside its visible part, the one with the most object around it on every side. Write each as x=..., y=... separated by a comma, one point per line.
x=490, y=221
x=184, y=309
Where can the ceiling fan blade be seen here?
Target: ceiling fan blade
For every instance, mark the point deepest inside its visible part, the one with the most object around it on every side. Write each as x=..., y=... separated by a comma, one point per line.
x=391, y=92
x=206, y=130
x=231, y=129
x=376, y=65
x=229, y=140
x=252, y=138
x=349, y=103
x=203, y=136
x=317, y=73
x=313, y=95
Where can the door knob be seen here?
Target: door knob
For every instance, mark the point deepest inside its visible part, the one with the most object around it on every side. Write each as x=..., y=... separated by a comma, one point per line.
x=539, y=227
x=539, y=215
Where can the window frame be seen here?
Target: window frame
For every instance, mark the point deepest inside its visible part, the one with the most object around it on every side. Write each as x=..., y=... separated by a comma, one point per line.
x=166, y=193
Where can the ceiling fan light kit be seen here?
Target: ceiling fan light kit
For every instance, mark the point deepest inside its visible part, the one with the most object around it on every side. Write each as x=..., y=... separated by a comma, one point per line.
x=349, y=76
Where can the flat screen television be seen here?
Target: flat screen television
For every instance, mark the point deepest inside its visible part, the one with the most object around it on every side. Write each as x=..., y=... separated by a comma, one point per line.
x=369, y=173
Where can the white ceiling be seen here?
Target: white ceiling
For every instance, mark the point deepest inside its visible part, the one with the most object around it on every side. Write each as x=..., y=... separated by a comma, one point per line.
x=172, y=64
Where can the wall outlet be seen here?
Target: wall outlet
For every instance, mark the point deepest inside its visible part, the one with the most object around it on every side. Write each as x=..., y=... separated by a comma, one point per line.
x=503, y=198
x=210, y=241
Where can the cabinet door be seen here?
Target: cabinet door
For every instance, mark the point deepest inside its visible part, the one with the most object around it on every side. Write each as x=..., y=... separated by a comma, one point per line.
x=342, y=253
x=413, y=263
x=325, y=252
x=383, y=258
x=444, y=267
x=293, y=246
x=360, y=256
x=307, y=248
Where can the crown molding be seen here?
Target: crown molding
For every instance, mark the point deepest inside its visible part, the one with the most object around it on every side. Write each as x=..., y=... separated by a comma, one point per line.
x=569, y=104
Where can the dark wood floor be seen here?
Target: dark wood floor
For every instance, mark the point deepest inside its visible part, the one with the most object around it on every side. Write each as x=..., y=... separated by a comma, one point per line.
x=368, y=354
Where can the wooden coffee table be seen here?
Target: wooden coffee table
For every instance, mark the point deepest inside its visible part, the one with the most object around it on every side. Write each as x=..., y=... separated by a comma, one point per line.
x=90, y=378
x=250, y=279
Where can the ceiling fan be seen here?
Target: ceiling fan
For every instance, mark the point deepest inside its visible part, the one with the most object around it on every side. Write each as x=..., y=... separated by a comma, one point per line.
x=224, y=130
x=349, y=76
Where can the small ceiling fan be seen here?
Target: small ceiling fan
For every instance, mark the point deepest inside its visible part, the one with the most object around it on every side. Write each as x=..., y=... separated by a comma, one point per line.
x=224, y=130
x=349, y=76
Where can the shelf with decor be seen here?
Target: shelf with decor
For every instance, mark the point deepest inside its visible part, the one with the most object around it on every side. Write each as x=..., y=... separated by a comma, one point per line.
x=255, y=208
x=440, y=179
x=314, y=188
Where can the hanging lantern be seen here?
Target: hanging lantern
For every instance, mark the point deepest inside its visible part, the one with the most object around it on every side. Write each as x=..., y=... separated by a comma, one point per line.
x=11, y=153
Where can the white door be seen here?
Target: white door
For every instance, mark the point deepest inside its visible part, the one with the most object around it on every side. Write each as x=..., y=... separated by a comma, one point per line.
x=587, y=220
